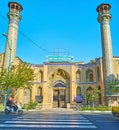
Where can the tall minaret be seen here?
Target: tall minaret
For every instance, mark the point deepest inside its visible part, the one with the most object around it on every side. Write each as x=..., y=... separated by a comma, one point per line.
x=104, y=18
x=11, y=38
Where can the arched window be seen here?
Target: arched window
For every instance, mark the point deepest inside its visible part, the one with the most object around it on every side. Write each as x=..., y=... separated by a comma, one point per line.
x=12, y=6
x=39, y=96
x=27, y=94
x=17, y=7
x=39, y=91
x=105, y=8
x=89, y=93
x=78, y=76
x=90, y=90
x=78, y=91
x=41, y=76
x=89, y=75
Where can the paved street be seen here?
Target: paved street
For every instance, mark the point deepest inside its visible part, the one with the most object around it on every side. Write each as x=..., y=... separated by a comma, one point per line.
x=58, y=119
x=103, y=120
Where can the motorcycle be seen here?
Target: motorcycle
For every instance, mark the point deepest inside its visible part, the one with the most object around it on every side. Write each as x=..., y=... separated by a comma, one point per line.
x=10, y=109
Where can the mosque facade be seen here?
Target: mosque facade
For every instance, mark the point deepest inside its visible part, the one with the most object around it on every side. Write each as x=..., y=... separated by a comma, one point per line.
x=59, y=79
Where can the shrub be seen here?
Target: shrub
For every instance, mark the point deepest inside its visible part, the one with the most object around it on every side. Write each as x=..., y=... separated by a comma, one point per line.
x=100, y=108
x=30, y=105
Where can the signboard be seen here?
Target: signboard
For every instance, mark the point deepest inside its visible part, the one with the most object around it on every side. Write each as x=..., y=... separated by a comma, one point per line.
x=59, y=58
x=78, y=99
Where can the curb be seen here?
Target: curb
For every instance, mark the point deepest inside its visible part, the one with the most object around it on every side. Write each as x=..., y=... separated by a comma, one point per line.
x=97, y=111
x=49, y=110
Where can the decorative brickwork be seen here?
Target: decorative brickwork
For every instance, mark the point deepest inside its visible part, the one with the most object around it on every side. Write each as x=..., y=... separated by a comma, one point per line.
x=104, y=18
x=11, y=38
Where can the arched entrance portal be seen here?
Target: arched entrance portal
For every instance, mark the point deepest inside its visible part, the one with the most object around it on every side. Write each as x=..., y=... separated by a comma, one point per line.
x=59, y=95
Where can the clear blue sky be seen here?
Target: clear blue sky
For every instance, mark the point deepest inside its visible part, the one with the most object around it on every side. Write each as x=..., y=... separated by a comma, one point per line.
x=67, y=24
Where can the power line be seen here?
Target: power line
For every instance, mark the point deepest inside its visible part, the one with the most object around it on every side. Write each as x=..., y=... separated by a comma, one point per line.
x=25, y=36
x=3, y=18
x=33, y=42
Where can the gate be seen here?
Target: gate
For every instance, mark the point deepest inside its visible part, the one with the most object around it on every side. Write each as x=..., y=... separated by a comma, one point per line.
x=59, y=98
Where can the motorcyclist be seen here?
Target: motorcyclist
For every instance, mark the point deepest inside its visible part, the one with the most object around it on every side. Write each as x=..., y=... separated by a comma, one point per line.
x=10, y=103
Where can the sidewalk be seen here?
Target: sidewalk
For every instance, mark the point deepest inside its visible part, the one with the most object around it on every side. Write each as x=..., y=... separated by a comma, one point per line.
x=56, y=111
x=66, y=111
x=61, y=111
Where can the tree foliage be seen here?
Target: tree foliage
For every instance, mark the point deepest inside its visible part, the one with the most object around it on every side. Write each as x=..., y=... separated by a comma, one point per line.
x=113, y=87
x=18, y=76
x=92, y=94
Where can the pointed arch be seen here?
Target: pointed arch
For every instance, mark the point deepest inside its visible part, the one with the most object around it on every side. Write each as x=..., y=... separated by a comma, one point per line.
x=60, y=71
x=27, y=96
x=41, y=76
x=59, y=74
x=39, y=91
x=89, y=92
x=59, y=83
x=78, y=90
x=89, y=88
x=89, y=75
x=78, y=76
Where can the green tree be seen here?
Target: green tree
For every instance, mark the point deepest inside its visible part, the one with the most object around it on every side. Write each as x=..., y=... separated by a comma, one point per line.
x=15, y=77
x=92, y=95
x=113, y=87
